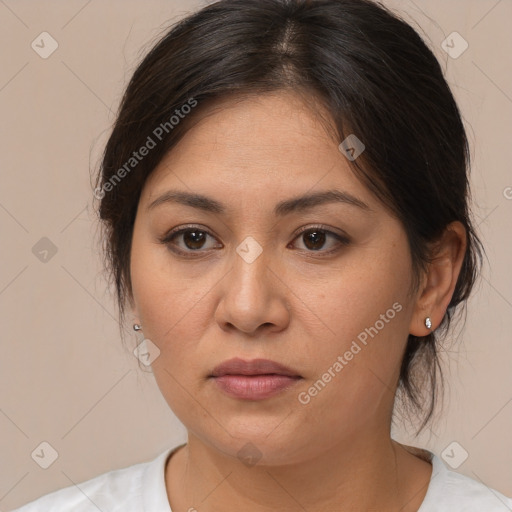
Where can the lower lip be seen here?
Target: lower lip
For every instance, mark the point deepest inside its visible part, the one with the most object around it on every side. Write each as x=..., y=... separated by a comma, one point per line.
x=254, y=387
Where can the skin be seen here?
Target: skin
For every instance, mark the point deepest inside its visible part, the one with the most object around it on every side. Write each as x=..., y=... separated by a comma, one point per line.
x=295, y=305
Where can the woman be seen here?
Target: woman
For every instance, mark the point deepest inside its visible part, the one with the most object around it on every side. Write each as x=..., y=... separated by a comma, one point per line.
x=285, y=203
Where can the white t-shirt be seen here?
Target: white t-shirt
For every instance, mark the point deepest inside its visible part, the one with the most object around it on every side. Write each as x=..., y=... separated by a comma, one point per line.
x=141, y=488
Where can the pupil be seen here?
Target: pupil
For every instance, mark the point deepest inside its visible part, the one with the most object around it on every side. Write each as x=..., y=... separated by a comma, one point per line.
x=315, y=237
x=194, y=239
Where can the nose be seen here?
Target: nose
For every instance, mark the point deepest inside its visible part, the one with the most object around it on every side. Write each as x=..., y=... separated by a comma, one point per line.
x=253, y=297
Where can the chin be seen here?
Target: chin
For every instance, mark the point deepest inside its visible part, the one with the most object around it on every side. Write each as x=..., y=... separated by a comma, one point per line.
x=260, y=443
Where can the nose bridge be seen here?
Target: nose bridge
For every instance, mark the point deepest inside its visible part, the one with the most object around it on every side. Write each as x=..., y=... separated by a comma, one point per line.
x=250, y=250
x=250, y=270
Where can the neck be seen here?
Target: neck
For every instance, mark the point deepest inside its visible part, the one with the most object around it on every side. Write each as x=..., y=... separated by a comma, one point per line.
x=367, y=473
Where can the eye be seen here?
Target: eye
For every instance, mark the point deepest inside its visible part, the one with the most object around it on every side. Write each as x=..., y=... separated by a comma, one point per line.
x=188, y=240
x=192, y=239
x=314, y=238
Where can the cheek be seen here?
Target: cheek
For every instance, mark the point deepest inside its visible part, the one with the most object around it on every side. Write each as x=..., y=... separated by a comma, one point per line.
x=367, y=311
x=173, y=317
x=367, y=293
x=175, y=311
x=164, y=296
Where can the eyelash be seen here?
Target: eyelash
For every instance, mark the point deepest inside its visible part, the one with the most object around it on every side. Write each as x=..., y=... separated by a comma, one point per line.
x=343, y=241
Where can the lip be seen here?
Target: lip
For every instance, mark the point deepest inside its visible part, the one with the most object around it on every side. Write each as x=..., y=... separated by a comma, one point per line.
x=237, y=366
x=253, y=380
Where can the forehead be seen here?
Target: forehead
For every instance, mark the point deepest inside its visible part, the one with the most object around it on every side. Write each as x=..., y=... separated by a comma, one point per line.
x=256, y=147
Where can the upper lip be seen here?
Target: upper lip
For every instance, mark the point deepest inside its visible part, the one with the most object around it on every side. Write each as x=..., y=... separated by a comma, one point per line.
x=237, y=366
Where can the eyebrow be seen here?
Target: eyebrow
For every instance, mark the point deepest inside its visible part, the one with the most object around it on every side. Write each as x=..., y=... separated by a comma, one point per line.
x=295, y=204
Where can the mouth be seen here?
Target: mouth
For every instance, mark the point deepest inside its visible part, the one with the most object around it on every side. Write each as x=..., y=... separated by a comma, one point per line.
x=254, y=367
x=253, y=380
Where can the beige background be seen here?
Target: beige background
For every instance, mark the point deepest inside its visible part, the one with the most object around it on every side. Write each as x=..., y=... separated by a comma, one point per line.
x=65, y=377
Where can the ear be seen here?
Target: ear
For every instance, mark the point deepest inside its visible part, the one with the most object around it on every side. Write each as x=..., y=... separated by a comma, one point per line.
x=439, y=280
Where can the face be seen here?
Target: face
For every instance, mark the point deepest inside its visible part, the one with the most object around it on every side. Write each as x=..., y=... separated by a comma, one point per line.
x=320, y=286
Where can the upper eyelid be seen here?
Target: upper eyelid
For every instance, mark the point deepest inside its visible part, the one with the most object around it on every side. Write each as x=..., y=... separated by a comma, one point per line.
x=184, y=228
x=342, y=237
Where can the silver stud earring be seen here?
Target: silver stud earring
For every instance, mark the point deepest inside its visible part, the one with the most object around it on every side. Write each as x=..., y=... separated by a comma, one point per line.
x=428, y=322
x=137, y=327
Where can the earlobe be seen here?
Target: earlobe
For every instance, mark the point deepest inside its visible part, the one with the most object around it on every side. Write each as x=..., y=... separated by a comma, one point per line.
x=440, y=279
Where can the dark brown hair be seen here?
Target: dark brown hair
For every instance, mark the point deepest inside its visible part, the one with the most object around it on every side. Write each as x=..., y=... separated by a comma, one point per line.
x=376, y=78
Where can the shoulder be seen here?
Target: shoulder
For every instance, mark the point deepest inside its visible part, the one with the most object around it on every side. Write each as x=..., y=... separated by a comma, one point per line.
x=104, y=492
x=113, y=491
x=451, y=491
